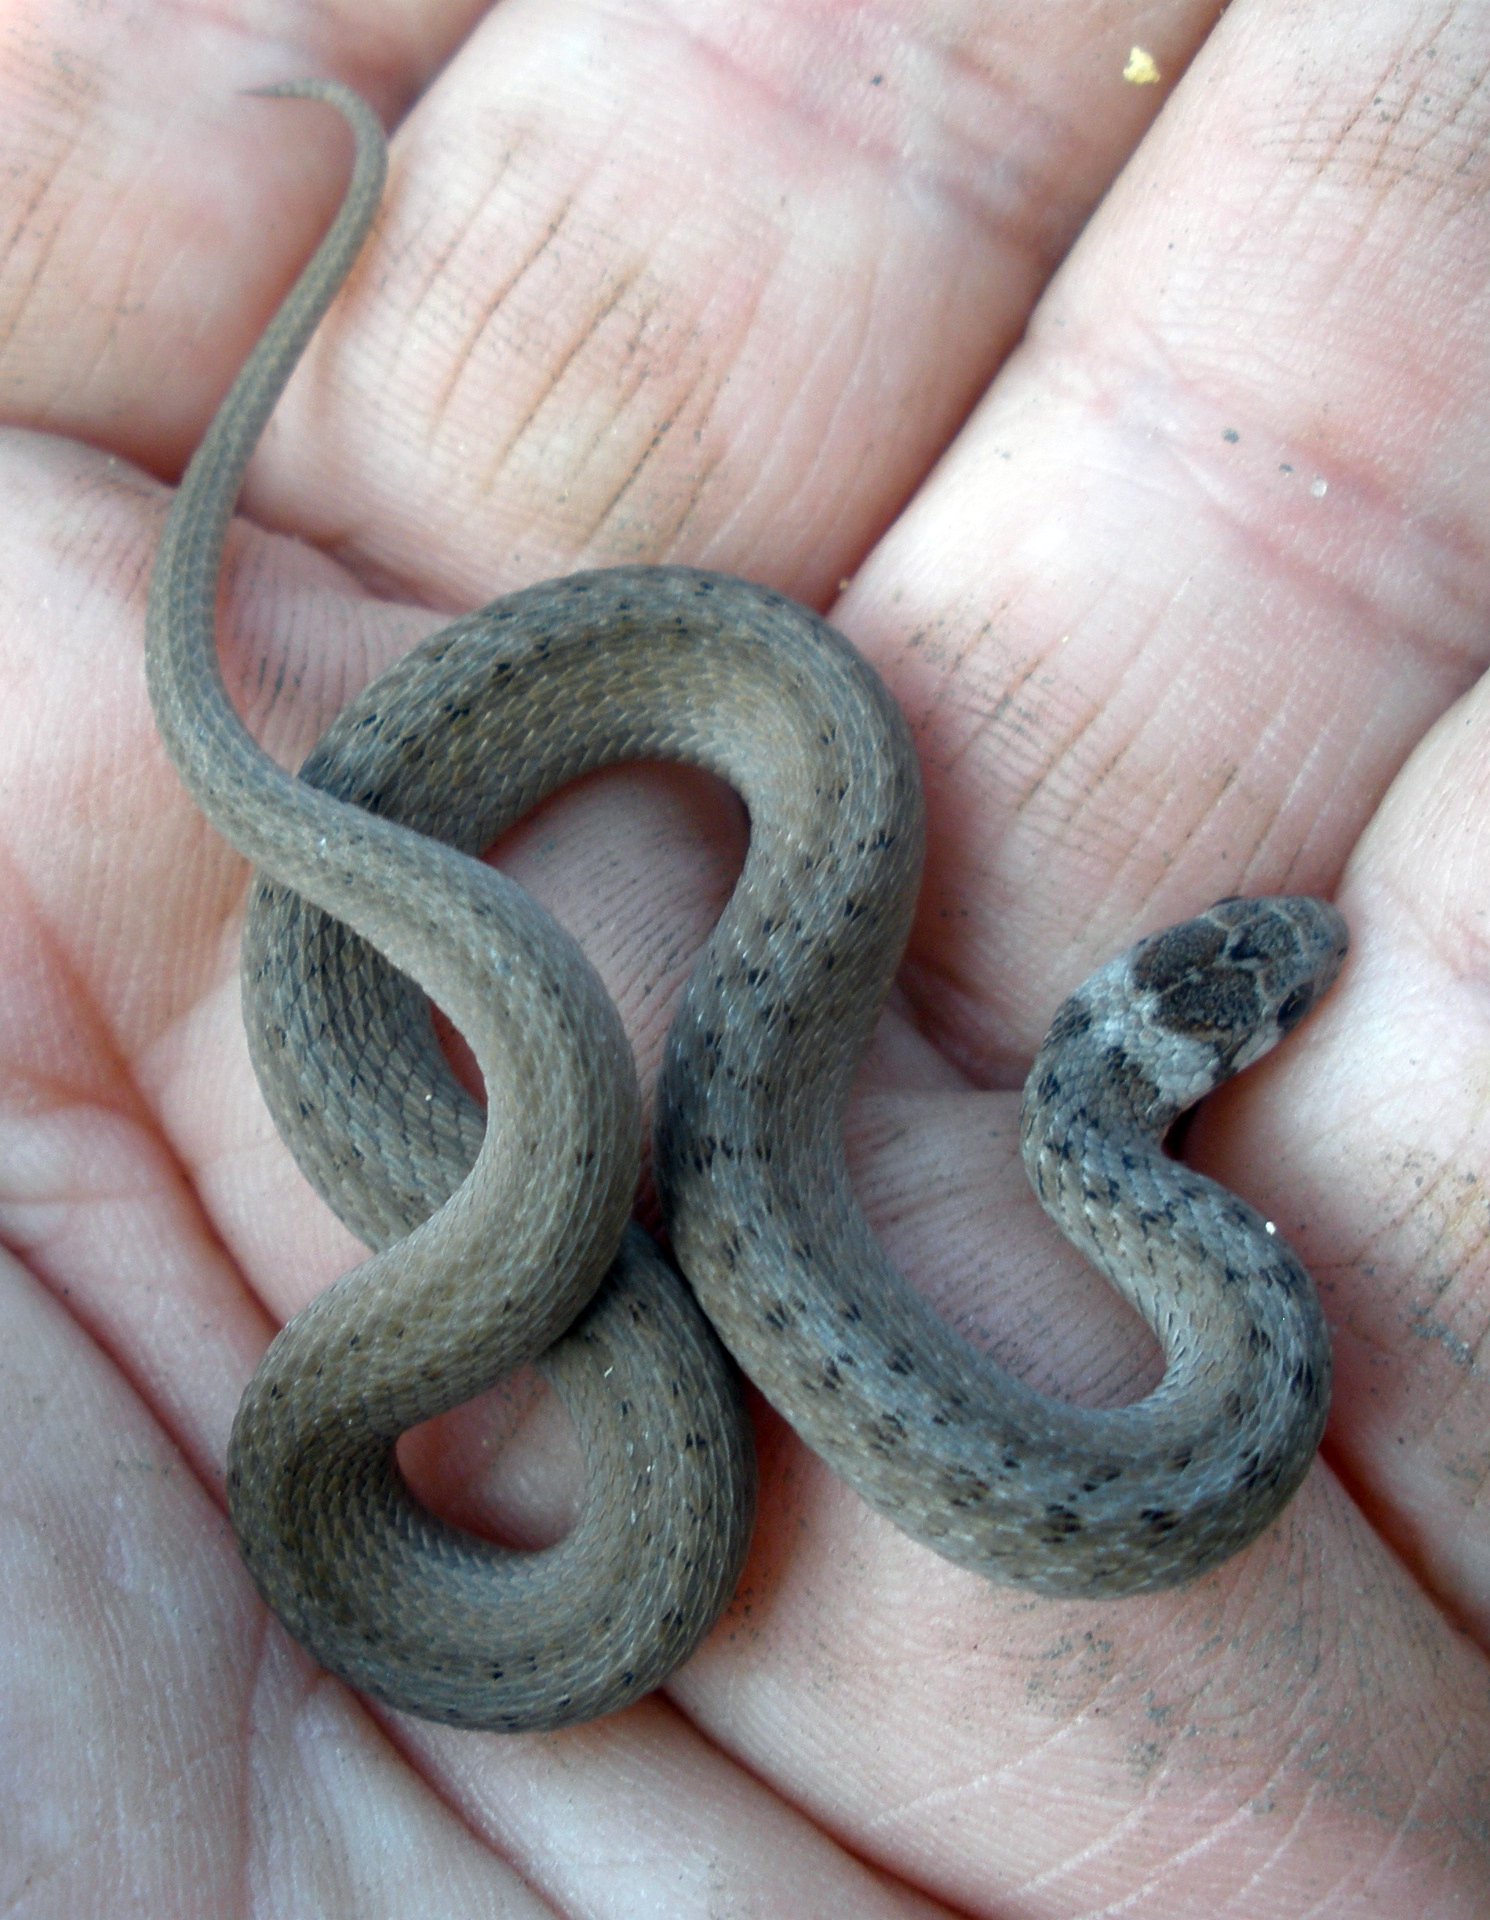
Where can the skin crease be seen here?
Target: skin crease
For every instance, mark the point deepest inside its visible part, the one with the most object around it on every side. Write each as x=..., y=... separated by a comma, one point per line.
x=1146, y=665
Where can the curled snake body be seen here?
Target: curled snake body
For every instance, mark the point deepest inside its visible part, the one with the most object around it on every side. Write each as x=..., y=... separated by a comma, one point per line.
x=496, y=1233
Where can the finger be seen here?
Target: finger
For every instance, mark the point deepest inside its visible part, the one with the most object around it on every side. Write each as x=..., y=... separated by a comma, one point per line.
x=123, y=1610
x=1209, y=560
x=646, y=285
x=1404, y=1144
x=733, y=327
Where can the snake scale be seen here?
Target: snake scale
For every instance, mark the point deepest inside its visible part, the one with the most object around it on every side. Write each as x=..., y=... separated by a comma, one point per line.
x=502, y=1242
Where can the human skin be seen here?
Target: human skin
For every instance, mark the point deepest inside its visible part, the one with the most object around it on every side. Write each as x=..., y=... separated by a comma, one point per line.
x=1182, y=598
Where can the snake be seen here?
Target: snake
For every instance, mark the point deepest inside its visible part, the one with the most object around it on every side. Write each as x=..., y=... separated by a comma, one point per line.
x=500, y=1231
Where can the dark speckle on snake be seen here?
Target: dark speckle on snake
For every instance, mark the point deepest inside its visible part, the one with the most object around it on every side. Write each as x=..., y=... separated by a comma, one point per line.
x=500, y=1237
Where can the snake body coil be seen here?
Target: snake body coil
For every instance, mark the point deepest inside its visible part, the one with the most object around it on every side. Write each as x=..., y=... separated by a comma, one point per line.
x=493, y=1237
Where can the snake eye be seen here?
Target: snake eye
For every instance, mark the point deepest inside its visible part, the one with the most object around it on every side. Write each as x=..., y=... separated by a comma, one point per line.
x=1294, y=1007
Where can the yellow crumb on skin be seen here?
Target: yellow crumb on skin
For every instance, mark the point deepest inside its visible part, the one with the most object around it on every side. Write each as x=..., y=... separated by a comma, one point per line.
x=1140, y=70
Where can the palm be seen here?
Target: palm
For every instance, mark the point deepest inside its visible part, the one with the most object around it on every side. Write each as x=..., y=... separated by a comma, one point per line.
x=724, y=297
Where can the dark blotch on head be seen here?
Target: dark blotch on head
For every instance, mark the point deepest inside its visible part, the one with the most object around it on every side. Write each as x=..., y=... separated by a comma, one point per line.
x=1165, y=960
x=1220, y=1002
x=1264, y=936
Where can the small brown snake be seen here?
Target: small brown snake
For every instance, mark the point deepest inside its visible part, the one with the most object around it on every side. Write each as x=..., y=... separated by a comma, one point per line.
x=492, y=1238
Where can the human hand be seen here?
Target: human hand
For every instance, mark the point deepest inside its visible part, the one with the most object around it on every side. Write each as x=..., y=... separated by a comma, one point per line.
x=724, y=296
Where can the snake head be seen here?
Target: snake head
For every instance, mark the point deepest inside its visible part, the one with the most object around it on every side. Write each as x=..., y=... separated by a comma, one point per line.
x=1241, y=976
x=1159, y=1028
